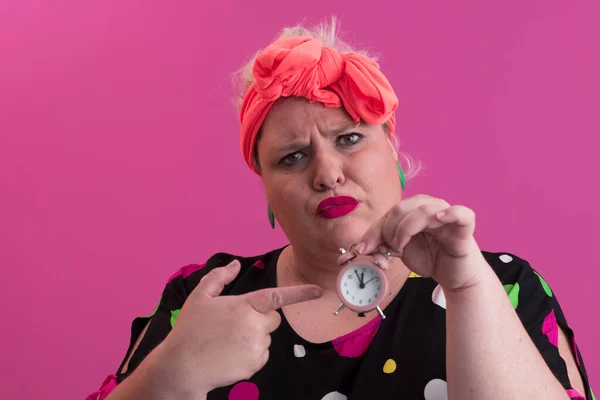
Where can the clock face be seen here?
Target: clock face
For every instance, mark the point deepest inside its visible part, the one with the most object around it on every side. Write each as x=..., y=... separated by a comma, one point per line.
x=361, y=286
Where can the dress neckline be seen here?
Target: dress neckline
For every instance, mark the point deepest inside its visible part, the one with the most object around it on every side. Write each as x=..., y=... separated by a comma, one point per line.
x=270, y=262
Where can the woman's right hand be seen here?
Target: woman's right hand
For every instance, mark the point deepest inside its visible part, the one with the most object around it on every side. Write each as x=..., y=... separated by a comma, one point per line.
x=220, y=340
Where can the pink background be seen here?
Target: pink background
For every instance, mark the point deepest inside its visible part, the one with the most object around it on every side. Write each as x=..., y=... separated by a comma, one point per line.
x=119, y=155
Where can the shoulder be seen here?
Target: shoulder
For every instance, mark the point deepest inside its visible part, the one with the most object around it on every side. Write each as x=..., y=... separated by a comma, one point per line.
x=526, y=288
x=538, y=308
x=255, y=271
x=509, y=267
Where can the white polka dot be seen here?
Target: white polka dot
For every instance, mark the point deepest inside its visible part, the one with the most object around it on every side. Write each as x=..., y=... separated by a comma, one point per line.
x=299, y=350
x=334, y=396
x=436, y=389
x=438, y=297
x=505, y=258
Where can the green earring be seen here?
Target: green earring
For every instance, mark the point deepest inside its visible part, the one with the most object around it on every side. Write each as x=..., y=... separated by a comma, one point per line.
x=271, y=216
x=401, y=173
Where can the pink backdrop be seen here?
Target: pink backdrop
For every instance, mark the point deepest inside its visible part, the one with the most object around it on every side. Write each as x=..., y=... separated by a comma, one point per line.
x=119, y=155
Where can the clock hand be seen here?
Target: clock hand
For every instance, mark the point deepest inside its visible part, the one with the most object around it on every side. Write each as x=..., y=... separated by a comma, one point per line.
x=360, y=280
x=370, y=280
x=361, y=284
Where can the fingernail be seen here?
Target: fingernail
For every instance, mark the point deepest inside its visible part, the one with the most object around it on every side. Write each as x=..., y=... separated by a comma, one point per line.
x=361, y=247
x=440, y=214
x=233, y=264
x=317, y=292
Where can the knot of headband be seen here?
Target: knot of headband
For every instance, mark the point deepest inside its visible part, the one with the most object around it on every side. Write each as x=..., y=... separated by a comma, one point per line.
x=302, y=66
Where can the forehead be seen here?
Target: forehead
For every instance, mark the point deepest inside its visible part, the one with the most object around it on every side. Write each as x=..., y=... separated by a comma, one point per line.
x=296, y=117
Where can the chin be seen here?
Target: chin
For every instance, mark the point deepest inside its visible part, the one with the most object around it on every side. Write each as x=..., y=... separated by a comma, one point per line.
x=344, y=232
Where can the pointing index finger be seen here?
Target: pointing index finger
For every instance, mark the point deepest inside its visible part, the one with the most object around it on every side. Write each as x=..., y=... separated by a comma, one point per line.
x=271, y=299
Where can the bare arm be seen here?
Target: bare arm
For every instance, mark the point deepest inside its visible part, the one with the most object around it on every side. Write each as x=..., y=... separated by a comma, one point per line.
x=194, y=356
x=567, y=354
x=135, y=346
x=150, y=380
x=489, y=353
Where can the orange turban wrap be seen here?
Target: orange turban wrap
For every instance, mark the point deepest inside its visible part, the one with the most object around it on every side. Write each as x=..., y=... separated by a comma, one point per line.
x=302, y=66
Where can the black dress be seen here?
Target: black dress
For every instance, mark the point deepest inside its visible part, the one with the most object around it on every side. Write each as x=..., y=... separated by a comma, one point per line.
x=401, y=357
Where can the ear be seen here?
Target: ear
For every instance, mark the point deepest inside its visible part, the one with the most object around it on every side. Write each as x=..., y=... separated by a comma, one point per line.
x=392, y=145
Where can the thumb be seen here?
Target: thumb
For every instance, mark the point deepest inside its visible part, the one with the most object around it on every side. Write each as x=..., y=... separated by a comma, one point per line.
x=372, y=242
x=213, y=283
x=372, y=238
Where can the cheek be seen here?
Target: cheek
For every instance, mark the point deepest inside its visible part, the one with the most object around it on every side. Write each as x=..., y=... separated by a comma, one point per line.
x=372, y=171
x=283, y=193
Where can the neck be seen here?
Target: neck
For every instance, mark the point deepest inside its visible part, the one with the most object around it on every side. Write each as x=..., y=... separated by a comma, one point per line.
x=318, y=267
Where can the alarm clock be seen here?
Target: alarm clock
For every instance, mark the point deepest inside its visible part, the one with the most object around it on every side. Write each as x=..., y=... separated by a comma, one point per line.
x=361, y=283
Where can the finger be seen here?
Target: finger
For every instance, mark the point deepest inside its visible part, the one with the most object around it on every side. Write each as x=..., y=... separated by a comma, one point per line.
x=416, y=222
x=380, y=258
x=457, y=214
x=375, y=234
x=272, y=321
x=271, y=299
x=213, y=283
x=373, y=237
x=263, y=359
x=423, y=216
x=460, y=216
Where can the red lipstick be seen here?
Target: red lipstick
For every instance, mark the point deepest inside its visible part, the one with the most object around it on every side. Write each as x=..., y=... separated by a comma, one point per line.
x=335, y=207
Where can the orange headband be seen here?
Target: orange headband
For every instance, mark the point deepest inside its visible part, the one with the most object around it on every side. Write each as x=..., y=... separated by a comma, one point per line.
x=302, y=66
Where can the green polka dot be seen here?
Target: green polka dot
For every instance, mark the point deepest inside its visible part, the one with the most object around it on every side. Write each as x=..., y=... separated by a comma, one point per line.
x=155, y=310
x=174, y=315
x=513, y=294
x=545, y=285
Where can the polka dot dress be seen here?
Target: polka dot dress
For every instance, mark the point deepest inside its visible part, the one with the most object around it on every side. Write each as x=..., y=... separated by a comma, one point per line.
x=401, y=357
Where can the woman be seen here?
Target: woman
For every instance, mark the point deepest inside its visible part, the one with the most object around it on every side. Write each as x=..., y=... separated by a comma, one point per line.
x=317, y=126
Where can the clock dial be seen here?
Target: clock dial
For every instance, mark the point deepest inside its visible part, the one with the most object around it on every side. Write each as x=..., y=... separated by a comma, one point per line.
x=361, y=285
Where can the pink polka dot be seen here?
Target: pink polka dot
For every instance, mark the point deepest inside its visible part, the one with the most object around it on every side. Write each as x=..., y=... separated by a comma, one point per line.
x=259, y=264
x=354, y=344
x=550, y=328
x=575, y=395
x=186, y=271
x=110, y=383
x=244, y=391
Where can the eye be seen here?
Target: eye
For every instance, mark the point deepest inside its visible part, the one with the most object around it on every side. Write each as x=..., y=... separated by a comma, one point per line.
x=291, y=158
x=350, y=139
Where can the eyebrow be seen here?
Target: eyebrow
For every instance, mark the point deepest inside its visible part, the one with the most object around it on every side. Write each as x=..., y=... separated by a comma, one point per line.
x=345, y=127
x=334, y=132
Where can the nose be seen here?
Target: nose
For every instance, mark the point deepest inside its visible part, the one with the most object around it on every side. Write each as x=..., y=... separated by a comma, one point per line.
x=328, y=171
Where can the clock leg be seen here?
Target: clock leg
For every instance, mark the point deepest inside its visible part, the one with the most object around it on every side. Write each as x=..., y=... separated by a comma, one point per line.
x=339, y=309
x=380, y=312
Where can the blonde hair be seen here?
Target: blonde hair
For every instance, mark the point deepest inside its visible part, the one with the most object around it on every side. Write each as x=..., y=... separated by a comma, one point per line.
x=328, y=34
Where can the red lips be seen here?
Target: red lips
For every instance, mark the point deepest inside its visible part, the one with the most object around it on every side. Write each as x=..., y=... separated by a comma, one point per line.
x=335, y=207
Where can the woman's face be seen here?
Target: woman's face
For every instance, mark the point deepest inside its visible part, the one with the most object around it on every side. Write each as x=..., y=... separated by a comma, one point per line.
x=309, y=153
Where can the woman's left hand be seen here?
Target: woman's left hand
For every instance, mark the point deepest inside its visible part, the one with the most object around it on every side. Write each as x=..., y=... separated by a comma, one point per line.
x=433, y=239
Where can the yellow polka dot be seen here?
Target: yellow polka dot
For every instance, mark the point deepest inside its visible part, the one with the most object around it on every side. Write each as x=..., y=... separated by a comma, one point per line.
x=389, y=366
x=413, y=275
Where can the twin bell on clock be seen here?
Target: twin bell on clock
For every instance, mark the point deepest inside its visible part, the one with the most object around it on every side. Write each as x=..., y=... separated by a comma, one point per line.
x=361, y=283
